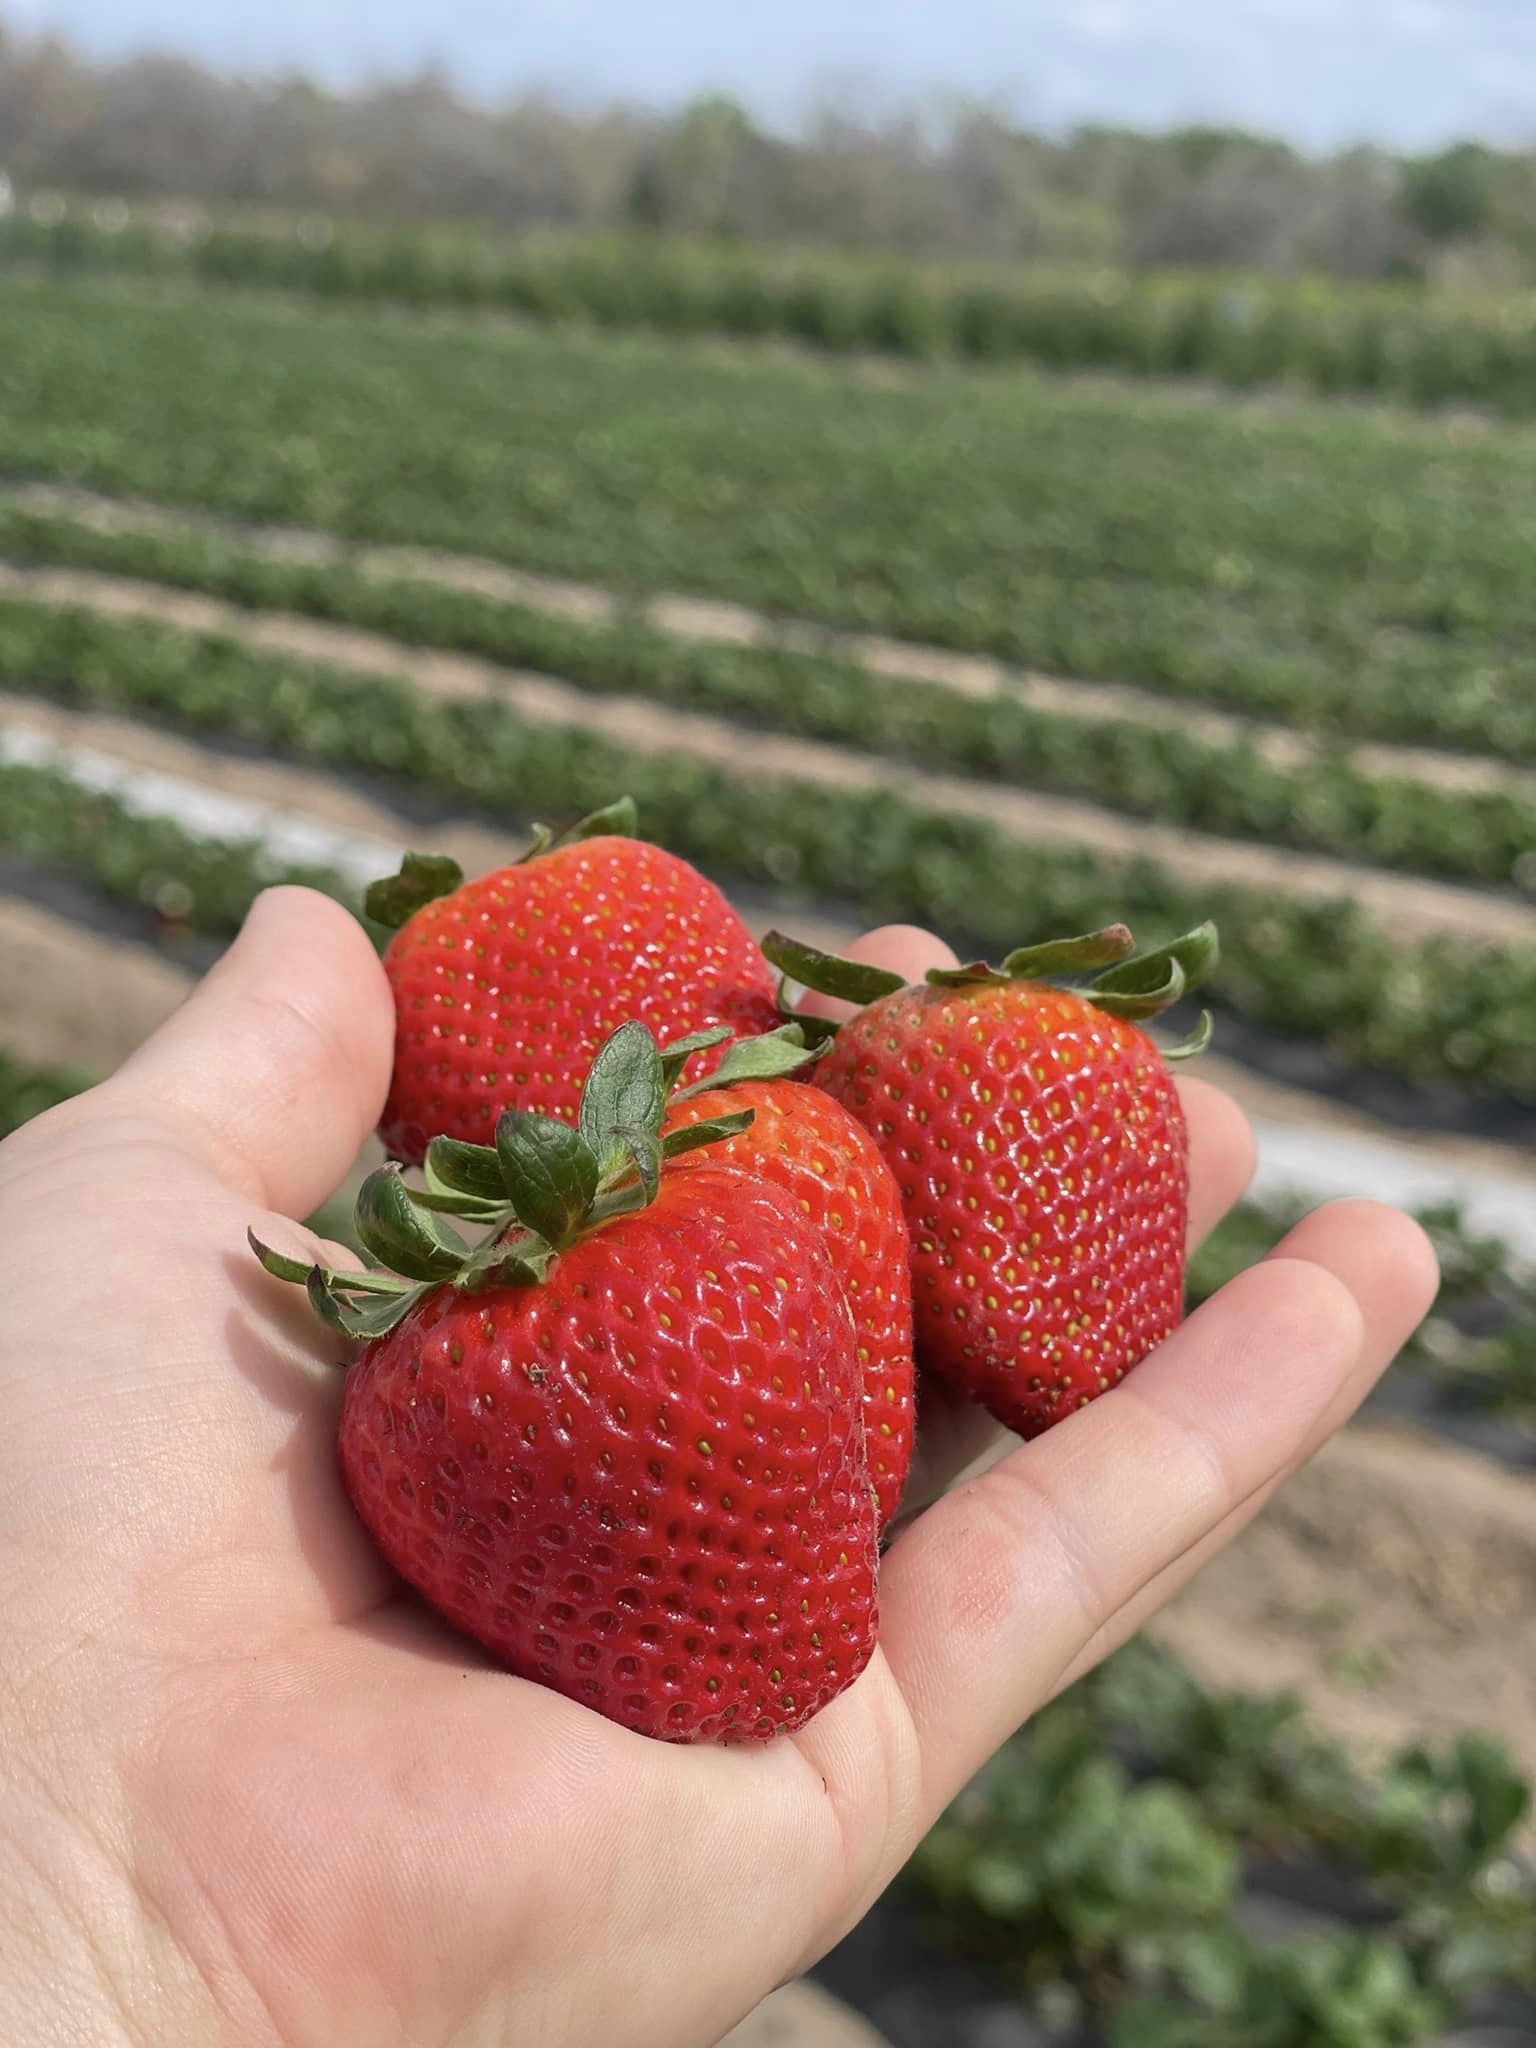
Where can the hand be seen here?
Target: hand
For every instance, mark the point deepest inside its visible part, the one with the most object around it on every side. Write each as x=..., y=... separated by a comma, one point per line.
x=251, y=1793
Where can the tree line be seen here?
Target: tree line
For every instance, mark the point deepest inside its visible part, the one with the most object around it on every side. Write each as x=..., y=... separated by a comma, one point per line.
x=961, y=179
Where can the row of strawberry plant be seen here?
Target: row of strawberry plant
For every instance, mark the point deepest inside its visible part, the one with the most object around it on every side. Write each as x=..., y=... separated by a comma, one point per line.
x=1239, y=329
x=190, y=886
x=1099, y=1863
x=1437, y=1010
x=1164, y=773
x=1338, y=571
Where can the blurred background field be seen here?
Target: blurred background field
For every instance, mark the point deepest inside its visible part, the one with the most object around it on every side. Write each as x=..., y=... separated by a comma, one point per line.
x=925, y=513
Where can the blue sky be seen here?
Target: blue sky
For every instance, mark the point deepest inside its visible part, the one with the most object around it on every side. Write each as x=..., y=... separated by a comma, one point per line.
x=1324, y=71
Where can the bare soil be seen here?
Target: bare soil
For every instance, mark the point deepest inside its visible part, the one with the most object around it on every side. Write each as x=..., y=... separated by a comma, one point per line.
x=1392, y=1584
x=74, y=998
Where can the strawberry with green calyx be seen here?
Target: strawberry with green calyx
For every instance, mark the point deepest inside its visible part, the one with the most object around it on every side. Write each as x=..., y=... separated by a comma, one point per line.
x=505, y=986
x=1037, y=1139
x=809, y=1146
x=620, y=1442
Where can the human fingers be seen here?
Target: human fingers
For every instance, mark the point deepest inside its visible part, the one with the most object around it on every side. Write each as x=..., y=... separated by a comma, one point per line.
x=1318, y=1238
x=274, y=1070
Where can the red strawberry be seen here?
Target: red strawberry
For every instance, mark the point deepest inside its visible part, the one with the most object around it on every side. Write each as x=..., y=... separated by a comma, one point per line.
x=808, y=1145
x=621, y=1443
x=506, y=986
x=1039, y=1146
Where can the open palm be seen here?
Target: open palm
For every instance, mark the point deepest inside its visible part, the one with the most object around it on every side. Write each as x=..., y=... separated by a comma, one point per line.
x=250, y=1792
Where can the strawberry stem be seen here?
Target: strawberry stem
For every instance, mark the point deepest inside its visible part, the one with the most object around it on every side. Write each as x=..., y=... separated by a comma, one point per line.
x=1132, y=985
x=424, y=877
x=540, y=1188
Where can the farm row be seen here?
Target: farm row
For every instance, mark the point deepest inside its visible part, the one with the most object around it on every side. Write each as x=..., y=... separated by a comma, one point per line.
x=1433, y=1006
x=1237, y=329
x=1100, y=1864
x=1166, y=772
x=1343, y=572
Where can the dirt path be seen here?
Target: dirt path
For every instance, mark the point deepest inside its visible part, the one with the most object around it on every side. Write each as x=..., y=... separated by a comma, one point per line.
x=1393, y=1583
x=333, y=819
x=1405, y=903
x=76, y=998
x=707, y=619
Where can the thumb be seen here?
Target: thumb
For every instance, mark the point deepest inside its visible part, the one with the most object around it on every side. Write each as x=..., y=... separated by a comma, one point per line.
x=274, y=1070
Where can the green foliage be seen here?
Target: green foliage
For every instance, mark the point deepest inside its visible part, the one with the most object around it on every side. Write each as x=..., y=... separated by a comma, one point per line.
x=27, y=1090
x=1070, y=1866
x=1449, y=197
x=1166, y=773
x=1239, y=328
x=188, y=885
x=1102, y=1853
x=1440, y=1010
x=1340, y=572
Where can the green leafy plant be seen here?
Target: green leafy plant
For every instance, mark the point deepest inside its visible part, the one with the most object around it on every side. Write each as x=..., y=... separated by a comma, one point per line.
x=27, y=1090
x=1438, y=1010
x=1159, y=771
x=1335, y=570
x=1100, y=1859
x=1238, y=329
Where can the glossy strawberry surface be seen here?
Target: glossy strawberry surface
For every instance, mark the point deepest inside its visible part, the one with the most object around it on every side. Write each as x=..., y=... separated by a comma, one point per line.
x=808, y=1145
x=1040, y=1151
x=505, y=989
x=642, y=1482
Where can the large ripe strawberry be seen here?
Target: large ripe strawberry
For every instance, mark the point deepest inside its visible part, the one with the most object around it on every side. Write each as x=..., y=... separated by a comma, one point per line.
x=506, y=986
x=1036, y=1136
x=805, y=1143
x=620, y=1444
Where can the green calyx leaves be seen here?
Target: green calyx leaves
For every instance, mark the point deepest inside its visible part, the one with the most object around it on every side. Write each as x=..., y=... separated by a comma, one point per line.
x=541, y=1187
x=620, y=820
x=774, y=1056
x=851, y=981
x=624, y=1098
x=1124, y=983
x=550, y=1172
x=1146, y=983
x=423, y=877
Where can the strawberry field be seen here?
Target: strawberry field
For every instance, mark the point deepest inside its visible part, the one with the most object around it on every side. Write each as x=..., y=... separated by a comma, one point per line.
x=1237, y=329
x=285, y=586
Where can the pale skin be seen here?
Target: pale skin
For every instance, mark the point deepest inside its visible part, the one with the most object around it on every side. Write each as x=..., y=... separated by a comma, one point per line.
x=251, y=1794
